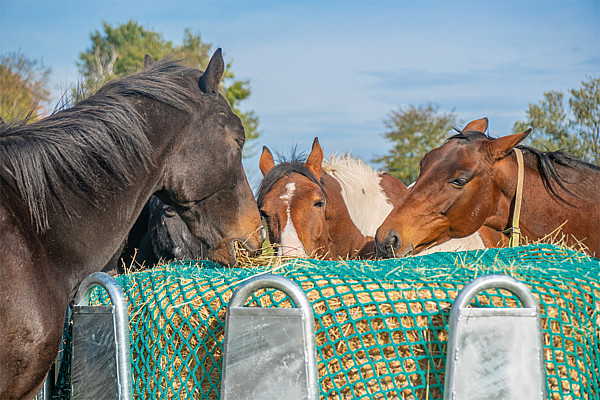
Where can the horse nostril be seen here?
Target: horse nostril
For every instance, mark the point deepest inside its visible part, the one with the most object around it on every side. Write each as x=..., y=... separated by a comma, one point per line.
x=393, y=241
x=388, y=246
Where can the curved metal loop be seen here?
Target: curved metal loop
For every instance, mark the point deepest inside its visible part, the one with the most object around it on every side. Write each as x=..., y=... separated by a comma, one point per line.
x=297, y=295
x=117, y=298
x=107, y=282
x=495, y=281
x=273, y=281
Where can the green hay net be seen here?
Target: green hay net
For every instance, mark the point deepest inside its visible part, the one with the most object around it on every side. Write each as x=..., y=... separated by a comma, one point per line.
x=381, y=326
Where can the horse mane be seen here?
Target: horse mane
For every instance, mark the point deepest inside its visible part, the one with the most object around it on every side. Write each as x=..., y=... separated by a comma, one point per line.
x=293, y=164
x=366, y=203
x=545, y=162
x=91, y=149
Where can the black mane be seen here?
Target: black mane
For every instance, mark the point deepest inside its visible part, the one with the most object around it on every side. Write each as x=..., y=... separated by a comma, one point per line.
x=546, y=162
x=81, y=149
x=285, y=168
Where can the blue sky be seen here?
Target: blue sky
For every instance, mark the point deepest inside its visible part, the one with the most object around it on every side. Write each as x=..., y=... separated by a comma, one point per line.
x=335, y=69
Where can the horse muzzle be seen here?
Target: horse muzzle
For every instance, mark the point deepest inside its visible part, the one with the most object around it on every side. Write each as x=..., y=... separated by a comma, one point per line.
x=390, y=245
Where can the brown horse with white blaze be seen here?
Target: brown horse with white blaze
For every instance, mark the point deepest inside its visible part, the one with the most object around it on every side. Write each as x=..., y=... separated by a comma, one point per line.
x=471, y=181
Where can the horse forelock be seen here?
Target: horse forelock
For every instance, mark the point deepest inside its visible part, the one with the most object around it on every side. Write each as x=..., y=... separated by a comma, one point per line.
x=468, y=135
x=93, y=148
x=365, y=199
x=280, y=171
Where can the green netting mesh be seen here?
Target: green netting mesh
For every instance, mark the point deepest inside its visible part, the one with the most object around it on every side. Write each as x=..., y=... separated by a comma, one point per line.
x=381, y=326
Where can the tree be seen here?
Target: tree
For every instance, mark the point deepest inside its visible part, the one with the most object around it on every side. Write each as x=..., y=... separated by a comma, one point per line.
x=413, y=131
x=24, y=84
x=119, y=51
x=575, y=130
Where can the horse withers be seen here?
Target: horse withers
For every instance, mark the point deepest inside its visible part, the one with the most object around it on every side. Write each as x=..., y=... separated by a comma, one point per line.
x=73, y=184
x=471, y=181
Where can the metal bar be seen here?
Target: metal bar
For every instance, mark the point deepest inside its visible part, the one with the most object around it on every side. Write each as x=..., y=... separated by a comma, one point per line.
x=494, y=320
x=297, y=295
x=117, y=298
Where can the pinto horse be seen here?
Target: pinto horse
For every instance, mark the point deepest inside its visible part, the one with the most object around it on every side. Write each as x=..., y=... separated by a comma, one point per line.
x=329, y=210
x=471, y=180
x=73, y=184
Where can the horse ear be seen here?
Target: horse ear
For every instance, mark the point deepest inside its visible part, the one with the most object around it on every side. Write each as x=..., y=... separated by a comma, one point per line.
x=315, y=159
x=479, y=125
x=209, y=81
x=502, y=146
x=266, y=161
x=148, y=61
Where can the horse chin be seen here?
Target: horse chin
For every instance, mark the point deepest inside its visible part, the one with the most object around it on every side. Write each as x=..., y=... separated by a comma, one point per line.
x=407, y=251
x=226, y=252
x=223, y=254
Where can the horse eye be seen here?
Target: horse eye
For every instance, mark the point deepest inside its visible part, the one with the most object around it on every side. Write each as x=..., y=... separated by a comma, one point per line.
x=169, y=211
x=459, y=182
x=319, y=204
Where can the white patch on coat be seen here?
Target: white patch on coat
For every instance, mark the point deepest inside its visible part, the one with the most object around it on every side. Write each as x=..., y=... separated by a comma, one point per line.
x=290, y=245
x=472, y=242
x=366, y=201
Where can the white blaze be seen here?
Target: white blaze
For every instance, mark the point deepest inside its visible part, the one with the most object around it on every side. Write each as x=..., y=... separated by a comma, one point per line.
x=290, y=245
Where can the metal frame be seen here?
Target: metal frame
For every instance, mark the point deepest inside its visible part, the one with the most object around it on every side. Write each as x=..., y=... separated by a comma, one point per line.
x=294, y=292
x=121, y=320
x=459, y=309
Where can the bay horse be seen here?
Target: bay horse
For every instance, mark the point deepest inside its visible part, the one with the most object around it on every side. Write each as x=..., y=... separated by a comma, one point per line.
x=471, y=180
x=329, y=210
x=73, y=184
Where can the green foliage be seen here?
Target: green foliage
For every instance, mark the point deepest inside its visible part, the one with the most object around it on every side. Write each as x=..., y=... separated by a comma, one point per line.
x=24, y=84
x=413, y=131
x=575, y=130
x=119, y=51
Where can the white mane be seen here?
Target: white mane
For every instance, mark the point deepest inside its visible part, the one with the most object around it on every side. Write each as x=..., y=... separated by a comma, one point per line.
x=366, y=202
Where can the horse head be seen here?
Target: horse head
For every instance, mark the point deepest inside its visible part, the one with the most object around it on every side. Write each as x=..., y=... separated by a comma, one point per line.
x=454, y=195
x=326, y=209
x=203, y=178
x=293, y=201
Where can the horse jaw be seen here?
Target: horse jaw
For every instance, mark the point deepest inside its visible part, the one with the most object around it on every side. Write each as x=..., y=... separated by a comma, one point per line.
x=472, y=242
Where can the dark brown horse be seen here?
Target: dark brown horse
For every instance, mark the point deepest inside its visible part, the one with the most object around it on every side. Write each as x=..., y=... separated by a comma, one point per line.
x=158, y=235
x=331, y=209
x=73, y=184
x=471, y=181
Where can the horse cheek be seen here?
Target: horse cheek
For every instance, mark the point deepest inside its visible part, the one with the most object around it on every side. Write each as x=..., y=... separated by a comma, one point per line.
x=320, y=236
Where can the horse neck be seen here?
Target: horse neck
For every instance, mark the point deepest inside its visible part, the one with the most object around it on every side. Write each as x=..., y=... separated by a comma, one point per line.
x=361, y=188
x=100, y=231
x=542, y=212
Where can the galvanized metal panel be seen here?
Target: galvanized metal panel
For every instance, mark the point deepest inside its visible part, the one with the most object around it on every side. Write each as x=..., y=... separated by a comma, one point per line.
x=269, y=353
x=266, y=357
x=495, y=353
x=101, y=365
x=94, y=364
